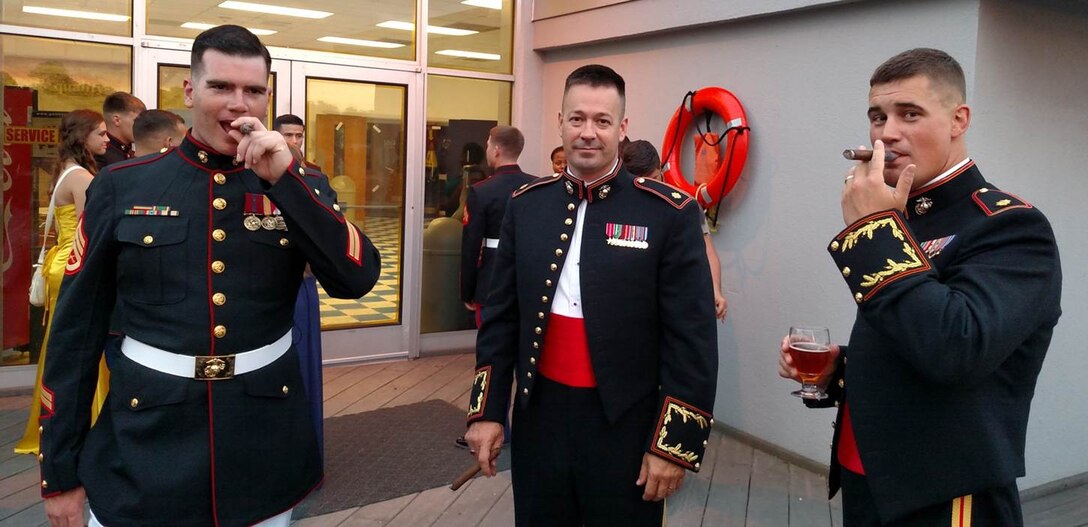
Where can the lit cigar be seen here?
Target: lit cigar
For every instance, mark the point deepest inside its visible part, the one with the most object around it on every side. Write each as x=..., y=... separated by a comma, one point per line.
x=866, y=155
x=246, y=128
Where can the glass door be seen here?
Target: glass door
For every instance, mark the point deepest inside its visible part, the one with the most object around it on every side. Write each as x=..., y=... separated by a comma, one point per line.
x=358, y=133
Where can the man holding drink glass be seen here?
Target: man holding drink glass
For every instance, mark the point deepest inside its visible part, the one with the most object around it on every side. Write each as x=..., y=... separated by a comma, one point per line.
x=958, y=287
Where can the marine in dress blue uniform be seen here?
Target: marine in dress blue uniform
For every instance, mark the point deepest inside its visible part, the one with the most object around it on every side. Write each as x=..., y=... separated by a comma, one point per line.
x=958, y=287
x=205, y=257
x=485, y=207
x=116, y=150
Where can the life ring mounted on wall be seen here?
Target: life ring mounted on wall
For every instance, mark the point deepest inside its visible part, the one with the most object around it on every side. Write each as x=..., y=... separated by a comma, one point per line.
x=704, y=102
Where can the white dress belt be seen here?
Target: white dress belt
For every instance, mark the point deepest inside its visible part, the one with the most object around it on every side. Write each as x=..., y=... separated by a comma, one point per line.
x=205, y=367
x=491, y=243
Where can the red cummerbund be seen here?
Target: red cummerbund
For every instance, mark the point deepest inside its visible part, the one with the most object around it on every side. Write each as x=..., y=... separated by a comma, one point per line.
x=848, y=447
x=565, y=358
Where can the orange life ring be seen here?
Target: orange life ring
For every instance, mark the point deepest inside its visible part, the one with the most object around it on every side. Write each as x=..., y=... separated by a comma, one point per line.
x=727, y=106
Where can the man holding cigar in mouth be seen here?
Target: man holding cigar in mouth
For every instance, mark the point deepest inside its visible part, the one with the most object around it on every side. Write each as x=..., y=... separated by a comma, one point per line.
x=207, y=422
x=958, y=287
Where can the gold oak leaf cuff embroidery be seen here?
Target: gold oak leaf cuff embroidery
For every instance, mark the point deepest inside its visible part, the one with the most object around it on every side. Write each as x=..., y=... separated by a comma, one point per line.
x=478, y=396
x=876, y=243
x=682, y=433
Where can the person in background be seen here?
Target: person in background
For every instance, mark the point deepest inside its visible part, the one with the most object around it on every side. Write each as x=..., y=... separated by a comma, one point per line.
x=204, y=247
x=156, y=131
x=958, y=289
x=559, y=160
x=120, y=110
x=293, y=130
x=600, y=309
x=82, y=136
x=641, y=159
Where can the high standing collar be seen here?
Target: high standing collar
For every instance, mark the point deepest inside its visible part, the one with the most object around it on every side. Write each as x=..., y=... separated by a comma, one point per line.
x=206, y=157
x=596, y=189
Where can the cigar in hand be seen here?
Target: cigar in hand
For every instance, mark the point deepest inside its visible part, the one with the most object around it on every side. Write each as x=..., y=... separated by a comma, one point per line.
x=246, y=128
x=471, y=472
x=866, y=155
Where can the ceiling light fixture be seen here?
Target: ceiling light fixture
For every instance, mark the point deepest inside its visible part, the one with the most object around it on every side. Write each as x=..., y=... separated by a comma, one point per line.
x=437, y=30
x=468, y=54
x=202, y=27
x=488, y=4
x=70, y=13
x=275, y=9
x=358, y=42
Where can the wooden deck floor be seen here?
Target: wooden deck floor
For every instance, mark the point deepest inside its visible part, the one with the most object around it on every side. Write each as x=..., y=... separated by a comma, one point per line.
x=742, y=486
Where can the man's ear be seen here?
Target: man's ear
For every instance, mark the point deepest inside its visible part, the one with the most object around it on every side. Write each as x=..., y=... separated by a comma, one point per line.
x=961, y=120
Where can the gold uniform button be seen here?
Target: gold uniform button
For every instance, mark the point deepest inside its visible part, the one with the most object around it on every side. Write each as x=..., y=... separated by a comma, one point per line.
x=219, y=235
x=553, y=267
x=220, y=331
x=983, y=190
x=836, y=404
x=317, y=191
x=696, y=466
x=529, y=374
x=219, y=299
x=149, y=239
x=218, y=267
x=536, y=345
x=858, y=297
x=285, y=242
x=41, y=429
x=711, y=421
x=834, y=246
x=532, y=360
x=846, y=271
x=568, y=221
x=134, y=402
x=547, y=283
x=705, y=443
x=559, y=252
x=336, y=207
x=540, y=315
x=537, y=330
x=570, y=206
x=842, y=383
x=219, y=203
x=641, y=180
x=45, y=484
x=544, y=299
x=41, y=457
x=219, y=179
x=285, y=389
x=844, y=360
x=301, y=171
x=524, y=391
x=564, y=237
x=676, y=195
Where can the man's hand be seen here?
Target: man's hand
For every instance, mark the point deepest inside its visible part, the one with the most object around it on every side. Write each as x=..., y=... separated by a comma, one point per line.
x=720, y=306
x=865, y=191
x=484, y=440
x=66, y=508
x=787, y=371
x=661, y=478
x=261, y=150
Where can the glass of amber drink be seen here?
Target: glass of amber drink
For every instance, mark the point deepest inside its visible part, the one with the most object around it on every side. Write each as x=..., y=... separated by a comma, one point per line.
x=810, y=349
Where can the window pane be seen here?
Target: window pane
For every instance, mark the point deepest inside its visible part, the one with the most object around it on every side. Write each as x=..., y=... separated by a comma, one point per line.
x=487, y=48
x=354, y=20
x=43, y=78
x=460, y=112
x=108, y=17
x=355, y=133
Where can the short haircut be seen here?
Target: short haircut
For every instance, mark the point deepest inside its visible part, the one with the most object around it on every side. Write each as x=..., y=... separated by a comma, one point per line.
x=235, y=41
x=121, y=102
x=597, y=76
x=152, y=122
x=287, y=118
x=556, y=150
x=640, y=158
x=936, y=65
x=508, y=138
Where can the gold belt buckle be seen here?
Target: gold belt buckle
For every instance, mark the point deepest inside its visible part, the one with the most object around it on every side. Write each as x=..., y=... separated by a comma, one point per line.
x=214, y=368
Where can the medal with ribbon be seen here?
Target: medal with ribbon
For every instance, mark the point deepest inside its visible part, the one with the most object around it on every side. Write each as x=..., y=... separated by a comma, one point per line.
x=630, y=236
x=261, y=213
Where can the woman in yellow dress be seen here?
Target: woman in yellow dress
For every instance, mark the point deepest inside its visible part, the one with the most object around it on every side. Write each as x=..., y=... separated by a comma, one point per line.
x=82, y=136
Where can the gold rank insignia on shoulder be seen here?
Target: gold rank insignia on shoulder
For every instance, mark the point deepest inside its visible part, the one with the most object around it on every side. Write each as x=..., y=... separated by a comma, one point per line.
x=993, y=202
x=150, y=210
x=630, y=236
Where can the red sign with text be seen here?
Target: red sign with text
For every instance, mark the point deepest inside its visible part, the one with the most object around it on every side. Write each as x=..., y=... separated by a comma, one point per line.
x=18, y=218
